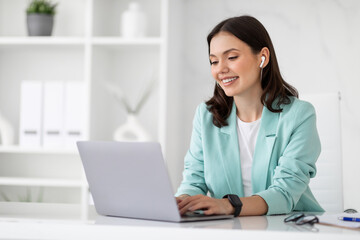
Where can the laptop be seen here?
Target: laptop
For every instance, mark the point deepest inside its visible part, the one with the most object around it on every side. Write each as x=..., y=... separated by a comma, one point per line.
x=130, y=179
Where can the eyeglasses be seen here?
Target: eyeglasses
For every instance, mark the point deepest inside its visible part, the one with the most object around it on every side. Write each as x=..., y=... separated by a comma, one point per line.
x=301, y=219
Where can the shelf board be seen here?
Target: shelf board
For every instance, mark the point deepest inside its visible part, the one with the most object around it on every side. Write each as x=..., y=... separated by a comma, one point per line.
x=60, y=41
x=42, y=210
x=114, y=41
x=10, y=41
x=37, y=150
x=44, y=182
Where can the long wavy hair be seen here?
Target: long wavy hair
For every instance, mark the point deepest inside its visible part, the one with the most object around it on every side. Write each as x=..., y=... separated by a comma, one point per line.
x=249, y=30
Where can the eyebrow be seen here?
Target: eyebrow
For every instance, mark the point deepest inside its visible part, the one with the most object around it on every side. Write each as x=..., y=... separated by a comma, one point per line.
x=225, y=52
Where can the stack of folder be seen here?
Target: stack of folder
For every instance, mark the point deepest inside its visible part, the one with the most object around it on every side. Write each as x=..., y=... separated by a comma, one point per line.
x=52, y=114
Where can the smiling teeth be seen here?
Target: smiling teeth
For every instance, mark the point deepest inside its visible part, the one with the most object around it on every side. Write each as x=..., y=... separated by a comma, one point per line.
x=229, y=80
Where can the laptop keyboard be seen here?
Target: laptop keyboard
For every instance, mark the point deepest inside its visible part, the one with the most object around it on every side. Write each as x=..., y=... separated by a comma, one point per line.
x=196, y=213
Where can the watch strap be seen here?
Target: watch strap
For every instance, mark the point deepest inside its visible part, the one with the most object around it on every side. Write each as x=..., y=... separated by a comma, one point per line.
x=235, y=202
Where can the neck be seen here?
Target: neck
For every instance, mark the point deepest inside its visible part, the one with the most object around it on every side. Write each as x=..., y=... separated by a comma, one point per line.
x=248, y=106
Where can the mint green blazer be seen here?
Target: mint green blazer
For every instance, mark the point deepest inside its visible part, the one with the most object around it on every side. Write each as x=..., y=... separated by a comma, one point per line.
x=286, y=150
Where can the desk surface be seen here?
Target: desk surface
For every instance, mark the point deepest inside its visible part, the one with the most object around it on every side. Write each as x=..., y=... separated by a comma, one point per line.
x=62, y=221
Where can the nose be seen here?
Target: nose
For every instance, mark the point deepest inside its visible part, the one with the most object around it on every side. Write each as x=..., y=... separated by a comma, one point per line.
x=222, y=67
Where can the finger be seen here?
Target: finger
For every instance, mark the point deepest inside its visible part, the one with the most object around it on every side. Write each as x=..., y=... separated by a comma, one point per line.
x=209, y=207
x=210, y=211
x=191, y=203
x=189, y=199
x=186, y=207
x=198, y=204
x=181, y=197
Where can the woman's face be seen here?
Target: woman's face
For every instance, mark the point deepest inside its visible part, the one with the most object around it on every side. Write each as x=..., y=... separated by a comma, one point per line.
x=234, y=66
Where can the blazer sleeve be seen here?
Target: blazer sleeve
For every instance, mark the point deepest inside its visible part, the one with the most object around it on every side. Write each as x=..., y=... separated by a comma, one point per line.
x=193, y=176
x=296, y=165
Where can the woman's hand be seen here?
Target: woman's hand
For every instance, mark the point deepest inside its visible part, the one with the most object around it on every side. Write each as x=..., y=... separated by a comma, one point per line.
x=209, y=205
x=181, y=197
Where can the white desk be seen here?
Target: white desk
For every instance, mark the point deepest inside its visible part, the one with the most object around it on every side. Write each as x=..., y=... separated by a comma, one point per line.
x=61, y=221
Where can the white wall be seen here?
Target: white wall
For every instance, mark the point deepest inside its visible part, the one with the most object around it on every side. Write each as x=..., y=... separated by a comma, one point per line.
x=317, y=46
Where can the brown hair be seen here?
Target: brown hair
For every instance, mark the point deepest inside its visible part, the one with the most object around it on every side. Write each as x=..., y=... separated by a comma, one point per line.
x=249, y=30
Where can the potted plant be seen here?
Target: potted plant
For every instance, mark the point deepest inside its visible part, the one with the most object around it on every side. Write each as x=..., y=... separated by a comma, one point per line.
x=40, y=17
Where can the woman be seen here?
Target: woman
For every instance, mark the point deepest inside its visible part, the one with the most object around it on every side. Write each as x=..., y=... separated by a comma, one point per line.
x=254, y=143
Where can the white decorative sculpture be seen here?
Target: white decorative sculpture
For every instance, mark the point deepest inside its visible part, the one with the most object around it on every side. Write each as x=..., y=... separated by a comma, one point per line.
x=6, y=132
x=132, y=130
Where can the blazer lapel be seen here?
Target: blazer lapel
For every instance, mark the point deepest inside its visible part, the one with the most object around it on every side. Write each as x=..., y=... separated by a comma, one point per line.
x=230, y=155
x=263, y=149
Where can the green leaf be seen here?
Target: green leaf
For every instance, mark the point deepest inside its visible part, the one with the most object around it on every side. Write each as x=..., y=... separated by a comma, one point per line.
x=42, y=7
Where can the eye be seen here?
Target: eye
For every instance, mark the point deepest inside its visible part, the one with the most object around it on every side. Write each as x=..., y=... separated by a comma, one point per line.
x=213, y=62
x=233, y=57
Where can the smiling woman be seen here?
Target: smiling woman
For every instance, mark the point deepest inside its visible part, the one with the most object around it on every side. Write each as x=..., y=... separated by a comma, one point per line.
x=254, y=143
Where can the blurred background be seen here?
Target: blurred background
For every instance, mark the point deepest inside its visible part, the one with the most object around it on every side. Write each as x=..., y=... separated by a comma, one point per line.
x=316, y=43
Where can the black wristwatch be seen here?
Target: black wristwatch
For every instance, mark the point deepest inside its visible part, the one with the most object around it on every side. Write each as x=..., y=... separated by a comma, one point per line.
x=235, y=202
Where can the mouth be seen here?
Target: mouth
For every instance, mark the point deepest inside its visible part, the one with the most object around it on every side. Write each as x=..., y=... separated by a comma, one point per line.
x=228, y=80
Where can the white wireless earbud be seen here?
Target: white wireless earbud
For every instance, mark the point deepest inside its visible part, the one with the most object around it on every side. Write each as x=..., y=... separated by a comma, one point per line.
x=262, y=61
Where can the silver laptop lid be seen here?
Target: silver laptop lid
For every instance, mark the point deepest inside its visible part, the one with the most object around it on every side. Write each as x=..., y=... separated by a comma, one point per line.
x=129, y=179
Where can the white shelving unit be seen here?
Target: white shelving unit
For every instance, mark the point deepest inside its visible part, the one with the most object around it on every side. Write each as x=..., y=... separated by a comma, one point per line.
x=86, y=46
x=114, y=41
x=44, y=182
x=26, y=41
x=35, y=150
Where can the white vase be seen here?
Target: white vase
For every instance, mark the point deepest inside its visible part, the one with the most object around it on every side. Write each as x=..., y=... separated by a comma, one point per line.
x=133, y=22
x=6, y=132
x=131, y=131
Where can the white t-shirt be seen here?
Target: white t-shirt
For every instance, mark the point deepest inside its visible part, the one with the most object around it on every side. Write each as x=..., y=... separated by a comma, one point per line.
x=247, y=135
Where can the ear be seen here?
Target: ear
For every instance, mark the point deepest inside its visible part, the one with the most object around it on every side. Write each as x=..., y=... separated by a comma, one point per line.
x=266, y=53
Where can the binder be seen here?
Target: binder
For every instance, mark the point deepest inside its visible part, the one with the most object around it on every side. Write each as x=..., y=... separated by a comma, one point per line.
x=30, y=114
x=53, y=114
x=75, y=113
